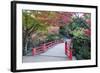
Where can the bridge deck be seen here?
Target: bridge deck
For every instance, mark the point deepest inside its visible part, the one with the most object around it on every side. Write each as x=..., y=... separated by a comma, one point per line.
x=55, y=53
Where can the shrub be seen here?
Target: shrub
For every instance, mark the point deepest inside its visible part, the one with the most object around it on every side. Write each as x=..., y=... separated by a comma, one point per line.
x=80, y=34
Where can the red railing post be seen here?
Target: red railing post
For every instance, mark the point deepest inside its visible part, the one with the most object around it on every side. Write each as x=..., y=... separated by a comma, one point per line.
x=68, y=50
x=34, y=51
x=70, y=56
x=44, y=47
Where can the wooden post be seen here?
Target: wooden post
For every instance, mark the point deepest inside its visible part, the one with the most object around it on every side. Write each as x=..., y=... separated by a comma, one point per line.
x=44, y=47
x=33, y=51
x=68, y=50
x=70, y=55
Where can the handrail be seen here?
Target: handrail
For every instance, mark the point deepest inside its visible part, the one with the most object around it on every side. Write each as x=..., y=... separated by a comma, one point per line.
x=44, y=47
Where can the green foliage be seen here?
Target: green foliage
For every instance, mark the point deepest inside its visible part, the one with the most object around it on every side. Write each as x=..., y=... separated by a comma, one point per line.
x=81, y=42
x=78, y=22
x=83, y=53
x=82, y=48
x=64, y=31
x=87, y=16
x=77, y=32
x=52, y=37
x=30, y=26
x=36, y=43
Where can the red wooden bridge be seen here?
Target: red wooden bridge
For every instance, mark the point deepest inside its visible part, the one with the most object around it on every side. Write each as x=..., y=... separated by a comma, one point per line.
x=44, y=47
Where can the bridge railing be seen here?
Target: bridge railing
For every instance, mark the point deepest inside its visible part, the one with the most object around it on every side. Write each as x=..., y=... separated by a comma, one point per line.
x=44, y=47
